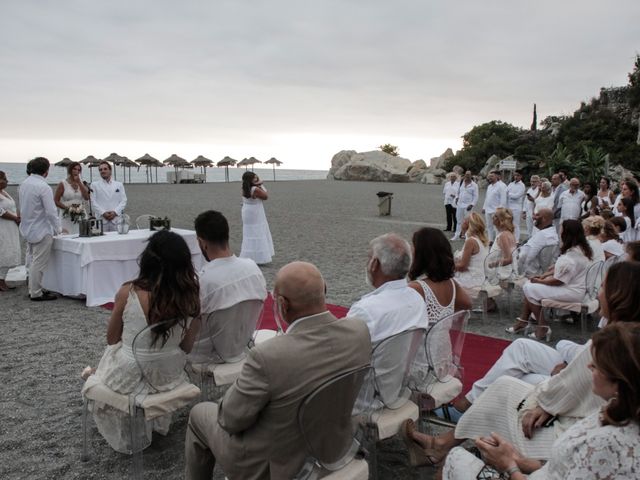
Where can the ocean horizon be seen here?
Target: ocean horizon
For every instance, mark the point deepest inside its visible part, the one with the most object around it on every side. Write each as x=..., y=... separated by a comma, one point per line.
x=16, y=173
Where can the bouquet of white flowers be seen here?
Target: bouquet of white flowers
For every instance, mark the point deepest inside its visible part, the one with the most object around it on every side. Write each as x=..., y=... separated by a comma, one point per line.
x=75, y=212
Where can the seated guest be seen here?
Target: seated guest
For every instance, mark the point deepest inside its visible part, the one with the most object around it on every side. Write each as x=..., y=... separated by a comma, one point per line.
x=165, y=293
x=592, y=229
x=626, y=209
x=517, y=410
x=225, y=280
x=432, y=273
x=469, y=261
x=392, y=307
x=544, y=235
x=611, y=241
x=254, y=432
x=603, y=445
x=505, y=241
x=565, y=281
x=108, y=199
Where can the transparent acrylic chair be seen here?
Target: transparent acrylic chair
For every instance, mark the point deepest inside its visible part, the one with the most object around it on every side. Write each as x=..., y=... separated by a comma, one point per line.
x=142, y=222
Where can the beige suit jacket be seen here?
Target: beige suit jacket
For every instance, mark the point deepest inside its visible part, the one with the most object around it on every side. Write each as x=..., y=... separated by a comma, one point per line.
x=257, y=435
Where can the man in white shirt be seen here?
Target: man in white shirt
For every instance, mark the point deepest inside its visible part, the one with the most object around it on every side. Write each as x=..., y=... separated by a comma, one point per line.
x=545, y=235
x=225, y=280
x=557, y=189
x=570, y=201
x=515, y=197
x=465, y=201
x=450, y=192
x=108, y=198
x=529, y=202
x=39, y=223
x=496, y=197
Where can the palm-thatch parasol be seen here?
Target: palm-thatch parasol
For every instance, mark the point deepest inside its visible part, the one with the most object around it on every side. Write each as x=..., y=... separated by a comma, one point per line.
x=128, y=163
x=65, y=162
x=274, y=161
x=148, y=161
x=226, y=162
x=91, y=162
x=116, y=160
x=203, y=163
x=252, y=161
x=243, y=163
x=176, y=162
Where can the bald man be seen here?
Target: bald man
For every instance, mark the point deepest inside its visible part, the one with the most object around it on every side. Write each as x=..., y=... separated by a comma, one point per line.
x=253, y=433
x=545, y=235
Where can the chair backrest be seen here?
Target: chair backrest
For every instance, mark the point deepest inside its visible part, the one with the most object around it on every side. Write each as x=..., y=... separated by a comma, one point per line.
x=547, y=256
x=517, y=270
x=593, y=279
x=224, y=334
x=492, y=263
x=443, y=344
x=143, y=221
x=609, y=262
x=324, y=418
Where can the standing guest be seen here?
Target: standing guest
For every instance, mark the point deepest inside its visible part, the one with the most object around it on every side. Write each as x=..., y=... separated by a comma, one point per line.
x=256, y=236
x=529, y=202
x=570, y=201
x=611, y=241
x=515, y=199
x=9, y=233
x=450, y=192
x=465, y=201
x=39, y=222
x=70, y=191
x=496, y=197
x=557, y=189
x=589, y=205
x=564, y=178
x=625, y=207
x=469, y=261
x=592, y=229
x=108, y=198
x=543, y=200
x=605, y=196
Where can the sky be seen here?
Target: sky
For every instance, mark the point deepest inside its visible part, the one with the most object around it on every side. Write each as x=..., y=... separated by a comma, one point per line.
x=297, y=79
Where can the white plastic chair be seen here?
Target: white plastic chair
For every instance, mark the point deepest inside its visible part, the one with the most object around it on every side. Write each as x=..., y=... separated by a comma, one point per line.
x=219, y=352
x=141, y=405
x=142, y=222
x=332, y=452
x=491, y=286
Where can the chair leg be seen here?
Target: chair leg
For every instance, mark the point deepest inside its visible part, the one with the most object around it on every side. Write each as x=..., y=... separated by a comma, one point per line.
x=85, y=447
x=135, y=415
x=484, y=297
x=583, y=321
x=371, y=436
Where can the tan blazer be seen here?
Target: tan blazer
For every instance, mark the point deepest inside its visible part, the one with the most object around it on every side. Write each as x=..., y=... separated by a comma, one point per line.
x=258, y=434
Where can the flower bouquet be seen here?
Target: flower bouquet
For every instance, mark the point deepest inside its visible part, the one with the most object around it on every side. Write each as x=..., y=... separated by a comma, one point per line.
x=75, y=212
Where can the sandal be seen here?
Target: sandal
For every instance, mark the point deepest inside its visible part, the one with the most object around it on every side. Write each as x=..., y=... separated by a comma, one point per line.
x=418, y=456
x=518, y=327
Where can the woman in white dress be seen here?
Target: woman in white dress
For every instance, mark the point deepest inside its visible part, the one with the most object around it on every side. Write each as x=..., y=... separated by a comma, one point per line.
x=9, y=234
x=166, y=294
x=505, y=241
x=605, y=196
x=256, y=236
x=611, y=242
x=593, y=226
x=469, y=261
x=70, y=192
x=626, y=210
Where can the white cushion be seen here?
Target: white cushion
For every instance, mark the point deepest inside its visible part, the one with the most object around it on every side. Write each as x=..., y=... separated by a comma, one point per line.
x=591, y=305
x=224, y=373
x=17, y=275
x=264, y=335
x=445, y=392
x=389, y=421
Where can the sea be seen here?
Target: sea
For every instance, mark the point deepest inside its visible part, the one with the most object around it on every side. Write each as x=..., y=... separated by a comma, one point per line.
x=16, y=173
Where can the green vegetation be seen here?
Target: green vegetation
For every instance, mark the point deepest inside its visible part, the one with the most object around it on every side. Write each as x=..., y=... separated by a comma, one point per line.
x=390, y=149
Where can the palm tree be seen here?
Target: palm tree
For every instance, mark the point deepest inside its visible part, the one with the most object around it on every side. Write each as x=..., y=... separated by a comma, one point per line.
x=592, y=164
x=560, y=159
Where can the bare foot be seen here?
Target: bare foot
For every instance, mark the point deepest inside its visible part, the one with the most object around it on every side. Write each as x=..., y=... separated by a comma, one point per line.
x=434, y=448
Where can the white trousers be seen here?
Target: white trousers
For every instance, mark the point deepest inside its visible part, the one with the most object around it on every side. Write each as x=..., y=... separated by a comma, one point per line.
x=491, y=230
x=527, y=360
x=461, y=214
x=529, y=223
x=40, y=253
x=517, y=218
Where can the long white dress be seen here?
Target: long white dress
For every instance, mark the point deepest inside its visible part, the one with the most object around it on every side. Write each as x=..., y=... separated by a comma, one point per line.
x=586, y=450
x=256, y=236
x=504, y=271
x=70, y=196
x=9, y=236
x=473, y=277
x=119, y=371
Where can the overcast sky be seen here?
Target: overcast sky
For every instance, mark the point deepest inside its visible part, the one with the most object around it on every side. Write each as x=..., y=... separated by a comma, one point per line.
x=298, y=80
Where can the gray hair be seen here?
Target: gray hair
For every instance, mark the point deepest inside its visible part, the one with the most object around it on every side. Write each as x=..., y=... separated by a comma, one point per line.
x=546, y=184
x=534, y=177
x=393, y=253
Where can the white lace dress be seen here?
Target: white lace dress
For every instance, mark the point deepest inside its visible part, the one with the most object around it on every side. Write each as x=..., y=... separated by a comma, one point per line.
x=70, y=196
x=9, y=236
x=119, y=371
x=504, y=272
x=586, y=450
x=473, y=277
x=256, y=236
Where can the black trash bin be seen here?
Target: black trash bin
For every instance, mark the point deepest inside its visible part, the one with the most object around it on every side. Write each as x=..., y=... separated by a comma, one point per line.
x=384, y=203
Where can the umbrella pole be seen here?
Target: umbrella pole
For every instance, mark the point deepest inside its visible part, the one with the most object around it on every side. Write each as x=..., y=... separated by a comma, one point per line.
x=274, y=172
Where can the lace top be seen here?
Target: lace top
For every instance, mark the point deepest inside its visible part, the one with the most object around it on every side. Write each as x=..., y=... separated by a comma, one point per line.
x=436, y=311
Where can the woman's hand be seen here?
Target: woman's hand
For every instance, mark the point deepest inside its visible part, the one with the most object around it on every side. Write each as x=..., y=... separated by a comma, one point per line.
x=17, y=219
x=533, y=419
x=498, y=452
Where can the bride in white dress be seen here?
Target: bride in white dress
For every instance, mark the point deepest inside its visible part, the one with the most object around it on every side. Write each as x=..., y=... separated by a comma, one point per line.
x=256, y=236
x=166, y=292
x=71, y=191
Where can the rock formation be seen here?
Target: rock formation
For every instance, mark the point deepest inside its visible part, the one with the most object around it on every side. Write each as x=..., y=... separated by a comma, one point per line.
x=374, y=166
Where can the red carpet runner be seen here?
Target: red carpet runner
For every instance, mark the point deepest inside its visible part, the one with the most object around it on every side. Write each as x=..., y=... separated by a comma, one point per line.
x=478, y=355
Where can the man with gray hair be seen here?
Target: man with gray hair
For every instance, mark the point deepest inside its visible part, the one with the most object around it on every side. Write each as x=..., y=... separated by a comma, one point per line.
x=392, y=307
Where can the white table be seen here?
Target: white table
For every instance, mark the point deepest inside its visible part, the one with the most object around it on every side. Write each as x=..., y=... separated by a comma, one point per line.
x=98, y=266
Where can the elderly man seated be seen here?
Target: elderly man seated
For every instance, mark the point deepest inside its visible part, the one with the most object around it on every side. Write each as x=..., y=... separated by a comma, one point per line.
x=544, y=235
x=253, y=433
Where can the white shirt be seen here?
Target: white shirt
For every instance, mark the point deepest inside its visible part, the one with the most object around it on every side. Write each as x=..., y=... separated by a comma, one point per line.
x=570, y=204
x=597, y=249
x=224, y=282
x=613, y=247
x=467, y=194
x=391, y=308
x=108, y=197
x=515, y=195
x=449, y=192
x=528, y=204
x=543, y=202
x=38, y=213
x=496, y=197
x=531, y=249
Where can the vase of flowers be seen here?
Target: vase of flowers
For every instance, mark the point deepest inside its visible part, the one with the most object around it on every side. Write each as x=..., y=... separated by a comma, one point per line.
x=75, y=212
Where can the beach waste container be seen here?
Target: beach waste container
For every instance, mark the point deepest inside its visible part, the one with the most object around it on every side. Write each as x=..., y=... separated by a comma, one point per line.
x=384, y=203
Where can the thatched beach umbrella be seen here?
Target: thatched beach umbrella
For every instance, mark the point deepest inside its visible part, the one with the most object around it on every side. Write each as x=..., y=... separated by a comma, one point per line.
x=176, y=162
x=148, y=161
x=65, y=162
x=91, y=162
x=252, y=161
x=226, y=162
x=243, y=163
x=128, y=163
x=116, y=160
x=203, y=163
x=274, y=161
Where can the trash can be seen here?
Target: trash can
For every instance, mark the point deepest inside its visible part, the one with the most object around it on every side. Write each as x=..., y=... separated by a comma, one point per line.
x=384, y=203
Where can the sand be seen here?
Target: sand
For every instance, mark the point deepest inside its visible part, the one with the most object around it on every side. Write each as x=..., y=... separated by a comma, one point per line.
x=46, y=345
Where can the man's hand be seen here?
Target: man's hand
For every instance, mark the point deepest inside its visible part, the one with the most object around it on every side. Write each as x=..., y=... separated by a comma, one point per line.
x=558, y=368
x=498, y=452
x=533, y=419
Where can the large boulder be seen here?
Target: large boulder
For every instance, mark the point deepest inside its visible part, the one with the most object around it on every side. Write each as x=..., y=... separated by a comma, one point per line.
x=374, y=166
x=440, y=162
x=430, y=179
x=489, y=165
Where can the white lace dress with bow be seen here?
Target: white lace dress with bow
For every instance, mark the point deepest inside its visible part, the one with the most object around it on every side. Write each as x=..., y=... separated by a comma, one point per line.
x=70, y=196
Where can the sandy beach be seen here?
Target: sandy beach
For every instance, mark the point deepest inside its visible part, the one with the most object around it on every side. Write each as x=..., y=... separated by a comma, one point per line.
x=46, y=345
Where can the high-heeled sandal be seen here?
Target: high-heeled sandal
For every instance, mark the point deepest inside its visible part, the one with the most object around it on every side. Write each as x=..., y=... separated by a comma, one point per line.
x=546, y=336
x=519, y=326
x=418, y=456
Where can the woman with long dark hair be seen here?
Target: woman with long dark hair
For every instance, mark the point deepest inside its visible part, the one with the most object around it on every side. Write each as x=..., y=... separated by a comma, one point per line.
x=626, y=208
x=256, y=236
x=165, y=296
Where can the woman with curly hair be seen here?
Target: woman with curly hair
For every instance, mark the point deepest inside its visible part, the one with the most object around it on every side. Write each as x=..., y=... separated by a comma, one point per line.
x=592, y=229
x=256, y=236
x=469, y=262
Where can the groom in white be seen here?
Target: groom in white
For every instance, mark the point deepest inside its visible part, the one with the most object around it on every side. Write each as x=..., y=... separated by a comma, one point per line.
x=108, y=199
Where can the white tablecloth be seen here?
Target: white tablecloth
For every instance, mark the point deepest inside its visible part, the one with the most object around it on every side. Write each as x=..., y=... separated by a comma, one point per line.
x=98, y=266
